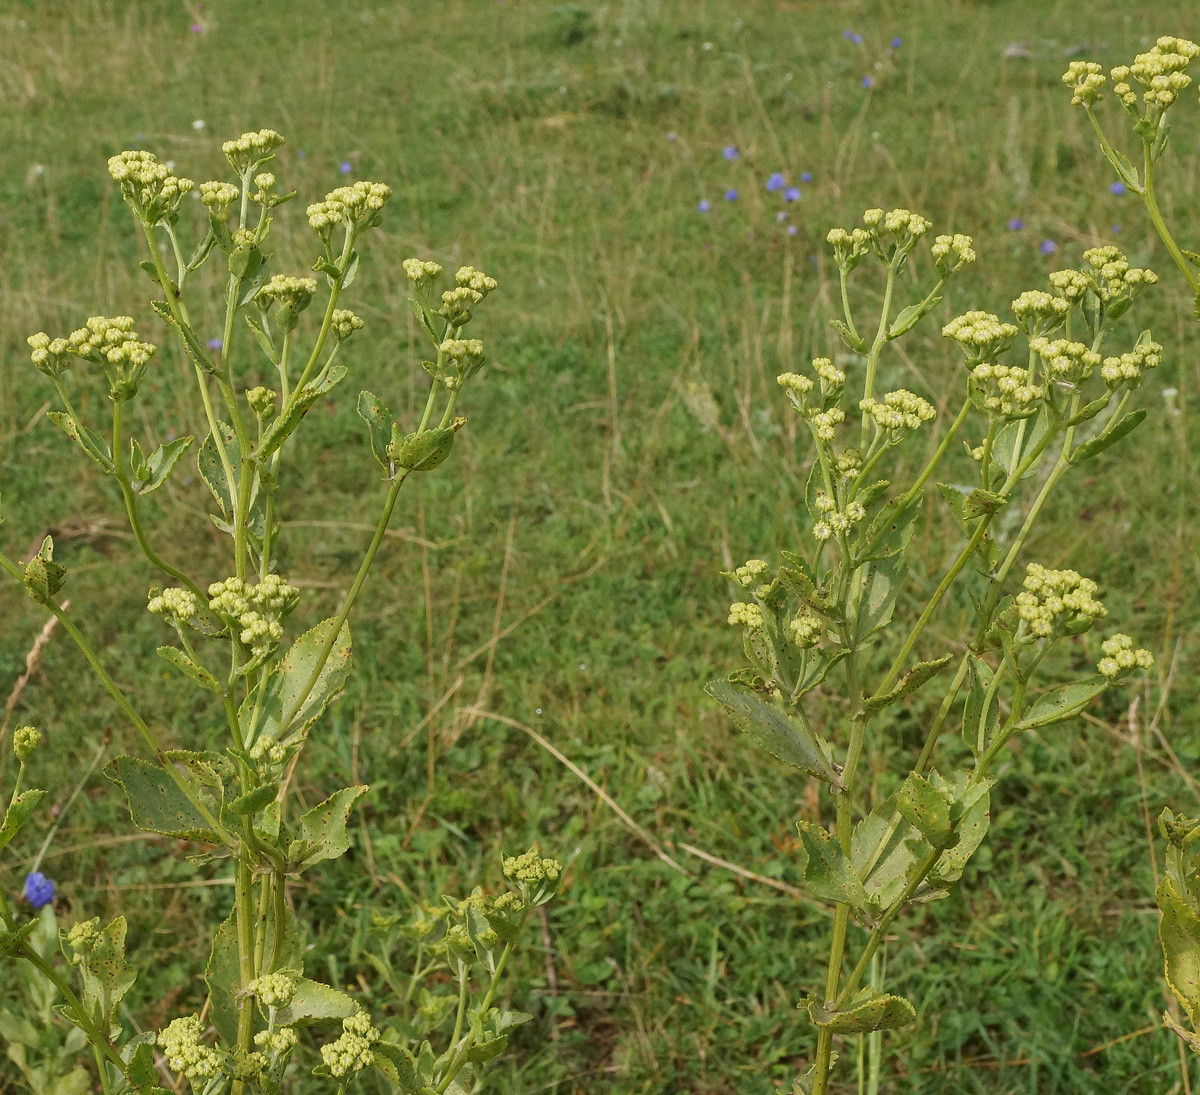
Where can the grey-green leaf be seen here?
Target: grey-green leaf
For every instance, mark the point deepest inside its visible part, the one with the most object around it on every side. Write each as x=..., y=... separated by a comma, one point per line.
x=928, y=808
x=379, y=427
x=323, y=830
x=160, y=465
x=1063, y=703
x=156, y=804
x=785, y=738
x=296, y=669
x=299, y=405
x=19, y=811
x=881, y=582
x=827, y=872
x=189, y=668
x=1179, y=931
x=880, y=1013
x=314, y=1001
x=920, y=674
x=1110, y=436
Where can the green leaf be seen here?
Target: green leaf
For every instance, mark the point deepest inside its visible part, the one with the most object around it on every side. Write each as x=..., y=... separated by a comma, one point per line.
x=1063, y=703
x=314, y=1001
x=422, y=451
x=1179, y=931
x=323, y=830
x=212, y=470
x=909, y=317
x=91, y=443
x=1090, y=410
x=879, y=586
x=379, y=426
x=399, y=1065
x=817, y=665
x=1122, y=165
x=980, y=502
x=1111, y=435
x=827, y=872
x=858, y=345
x=920, y=674
x=297, y=667
x=185, y=665
x=882, y=850
x=1031, y=431
x=977, y=722
x=299, y=405
x=928, y=808
x=107, y=977
x=971, y=812
x=156, y=804
x=891, y=530
x=785, y=738
x=223, y=977
x=19, y=811
x=160, y=465
x=884, y=1012
x=252, y=802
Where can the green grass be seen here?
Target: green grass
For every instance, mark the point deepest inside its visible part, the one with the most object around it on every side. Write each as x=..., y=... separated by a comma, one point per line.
x=532, y=140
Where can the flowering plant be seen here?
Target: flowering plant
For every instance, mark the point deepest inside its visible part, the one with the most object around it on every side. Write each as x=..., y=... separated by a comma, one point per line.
x=827, y=653
x=229, y=640
x=1147, y=90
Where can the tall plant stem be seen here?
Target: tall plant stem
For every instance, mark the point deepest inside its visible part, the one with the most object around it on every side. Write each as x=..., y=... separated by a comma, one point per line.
x=1160, y=225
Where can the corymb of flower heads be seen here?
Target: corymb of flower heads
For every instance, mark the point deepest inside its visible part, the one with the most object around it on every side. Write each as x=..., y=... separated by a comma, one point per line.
x=1004, y=391
x=1120, y=657
x=176, y=605
x=358, y=207
x=470, y=278
x=1110, y=275
x=1126, y=370
x=750, y=572
x=805, y=630
x=253, y=612
x=1066, y=362
x=743, y=614
x=465, y=355
x=251, y=150
x=951, y=253
x=83, y=936
x=185, y=1052
x=900, y=410
x=273, y=990
x=50, y=355
x=1086, y=81
x=904, y=228
x=796, y=386
x=1039, y=312
x=1057, y=602
x=148, y=186
x=981, y=335
x=849, y=248
x=111, y=343
x=422, y=272
x=343, y=323
x=217, y=196
x=536, y=877
x=1161, y=71
x=292, y=295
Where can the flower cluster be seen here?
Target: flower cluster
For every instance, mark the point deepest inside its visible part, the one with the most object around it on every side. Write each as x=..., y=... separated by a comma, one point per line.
x=294, y=294
x=351, y=1052
x=531, y=869
x=178, y=606
x=84, y=935
x=465, y=355
x=458, y=304
x=344, y=323
x=1055, y=601
x=468, y=277
x=980, y=334
x=750, y=572
x=273, y=990
x=148, y=186
x=900, y=410
x=832, y=520
x=26, y=739
x=1110, y=276
x=805, y=630
x=247, y=152
x=1086, y=81
x=1004, y=390
x=422, y=272
x=1065, y=361
x=849, y=248
x=951, y=253
x=185, y=1053
x=279, y=1042
x=1162, y=73
x=742, y=614
x=1038, y=311
x=1127, y=369
x=902, y=224
x=217, y=196
x=254, y=612
x=357, y=207
x=1121, y=658
x=824, y=423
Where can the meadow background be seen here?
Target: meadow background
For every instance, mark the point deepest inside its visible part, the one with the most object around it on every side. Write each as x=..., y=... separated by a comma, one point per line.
x=628, y=442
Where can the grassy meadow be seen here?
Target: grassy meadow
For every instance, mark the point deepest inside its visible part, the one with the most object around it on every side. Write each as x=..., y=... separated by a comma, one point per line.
x=627, y=443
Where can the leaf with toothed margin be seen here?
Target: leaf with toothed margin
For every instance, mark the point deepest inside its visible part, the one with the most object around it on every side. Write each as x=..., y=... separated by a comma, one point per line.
x=322, y=831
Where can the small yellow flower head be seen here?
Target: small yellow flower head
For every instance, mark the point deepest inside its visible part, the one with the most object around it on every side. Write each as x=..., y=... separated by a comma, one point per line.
x=750, y=572
x=900, y=410
x=980, y=334
x=458, y=305
x=351, y=1052
x=1126, y=370
x=422, y=272
x=295, y=294
x=795, y=384
x=25, y=740
x=50, y=355
x=849, y=462
x=148, y=186
x=465, y=354
x=344, y=323
x=253, y=613
x=1038, y=311
x=1120, y=657
x=1070, y=284
x=217, y=196
x=824, y=503
x=184, y=1051
x=531, y=868
x=246, y=152
x=1162, y=71
x=805, y=630
x=1004, y=390
x=849, y=248
x=1054, y=600
x=470, y=278
x=1110, y=276
x=265, y=182
x=822, y=530
x=1065, y=361
x=176, y=605
x=832, y=378
x=262, y=402
x=824, y=423
x=273, y=990
x=952, y=253
x=82, y=937
x=1086, y=81
x=279, y=1042
x=356, y=206
x=902, y=224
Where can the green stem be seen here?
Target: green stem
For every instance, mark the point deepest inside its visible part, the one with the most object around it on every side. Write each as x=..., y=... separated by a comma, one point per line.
x=244, y=909
x=936, y=459
x=877, y=346
x=1160, y=225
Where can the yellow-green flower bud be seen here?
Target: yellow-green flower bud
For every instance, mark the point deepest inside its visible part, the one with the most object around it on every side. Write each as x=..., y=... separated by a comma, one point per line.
x=951, y=253
x=262, y=402
x=246, y=152
x=421, y=272
x=1120, y=657
x=83, y=936
x=185, y=1053
x=1086, y=81
x=1053, y=601
x=351, y=1052
x=805, y=630
x=344, y=323
x=900, y=410
x=458, y=305
x=746, y=615
x=175, y=604
x=217, y=197
x=470, y=278
x=25, y=740
x=980, y=334
x=749, y=572
x=273, y=990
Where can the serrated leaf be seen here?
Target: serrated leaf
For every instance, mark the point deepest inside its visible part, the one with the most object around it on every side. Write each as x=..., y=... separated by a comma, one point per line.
x=1110, y=436
x=19, y=811
x=92, y=444
x=891, y=530
x=978, y=723
x=295, y=410
x=156, y=804
x=884, y=1012
x=185, y=665
x=222, y=974
x=920, y=674
x=1063, y=703
x=928, y=809
x=973, y=810
x=322, y=831
x=107, y=977
x=160, y=465
x=212, y=469
x=1179, y=932
x=379, y=427
x=879, y=586
x=399, y=1065
x=785, y=738
x=826, y=871
x=1031, y=431
x=858, y=345
x=297, y=667
x=883, y=849
x=313, y=1002
x=909, y=317
x=253, y=801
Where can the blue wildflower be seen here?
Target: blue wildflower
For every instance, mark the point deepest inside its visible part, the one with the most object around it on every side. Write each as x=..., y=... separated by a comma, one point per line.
x=791, y=194
x=1117, y=188
x=1116, y=229
x=730, y=152
x=852, y=36
x=781, y=216
x=868, y=82
x=731, y=195
x=345, y=167
x=792, y=229
x=1016, y=224
x=703, y=206
x=214, y=344
x=776, y=181
x=806, y=176
x=897, y=42
x=1048, y=247
x=39, y=890
x=300, y=153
